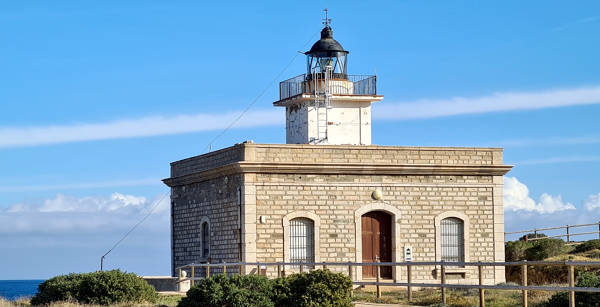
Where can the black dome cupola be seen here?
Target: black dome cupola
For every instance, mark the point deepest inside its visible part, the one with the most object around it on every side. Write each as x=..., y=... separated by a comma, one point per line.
x=326, y=46
x=327, y=52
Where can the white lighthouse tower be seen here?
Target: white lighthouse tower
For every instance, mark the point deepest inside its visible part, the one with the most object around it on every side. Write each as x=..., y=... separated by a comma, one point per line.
x=326, y=105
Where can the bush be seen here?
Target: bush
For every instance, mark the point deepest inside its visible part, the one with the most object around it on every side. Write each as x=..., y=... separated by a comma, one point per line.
x=545, y=248
x=515, y=250
x=587, y=246
x=219, y=290
x=582, y=299
x=317, y=288
x=102, y=288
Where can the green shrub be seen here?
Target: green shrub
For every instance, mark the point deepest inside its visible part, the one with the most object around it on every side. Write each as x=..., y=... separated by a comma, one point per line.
x=515, y=250
x=587, y=246
x=317, y=288
x=543, y=249
x=219, y=290
x=59, y=288
x=582, y=299
x=102, y=288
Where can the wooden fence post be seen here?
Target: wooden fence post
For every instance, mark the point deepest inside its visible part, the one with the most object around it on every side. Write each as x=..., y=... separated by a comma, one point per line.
x=207, y=270
x=350, y=274
x=571, y=278
x=301, y=268
x=193, y=276
x=409, y=280
x=324, y=266
x=258, y=269
x=524, y=282
x=224, y=268
x=278, y=270
x=378, y=274
x=443, y=282
x=481, y=290
x=568, y=235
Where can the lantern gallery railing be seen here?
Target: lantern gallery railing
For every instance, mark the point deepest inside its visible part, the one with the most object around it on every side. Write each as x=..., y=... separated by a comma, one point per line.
x=280, y=267
x=361, y=85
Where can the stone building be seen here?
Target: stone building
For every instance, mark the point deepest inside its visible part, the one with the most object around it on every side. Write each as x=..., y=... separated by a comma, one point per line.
x=329, y=195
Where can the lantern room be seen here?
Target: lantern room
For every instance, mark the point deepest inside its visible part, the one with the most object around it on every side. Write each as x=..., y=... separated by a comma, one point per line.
x=327, y=54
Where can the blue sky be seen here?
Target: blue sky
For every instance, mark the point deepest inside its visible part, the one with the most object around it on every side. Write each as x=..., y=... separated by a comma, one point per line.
x=96, y=98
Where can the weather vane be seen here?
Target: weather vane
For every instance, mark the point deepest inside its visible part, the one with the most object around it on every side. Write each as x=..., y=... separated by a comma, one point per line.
x=326, y=20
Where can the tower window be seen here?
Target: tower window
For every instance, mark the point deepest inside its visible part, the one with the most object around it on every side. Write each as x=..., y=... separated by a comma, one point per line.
x=452, y=236
x=205, y=239
x=302, y=240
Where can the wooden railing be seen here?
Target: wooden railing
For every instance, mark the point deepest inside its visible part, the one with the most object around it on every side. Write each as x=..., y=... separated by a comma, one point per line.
x=568, y=233
x=262, y=268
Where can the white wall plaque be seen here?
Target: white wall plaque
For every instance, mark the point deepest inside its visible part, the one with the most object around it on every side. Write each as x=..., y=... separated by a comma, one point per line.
x=408, y=253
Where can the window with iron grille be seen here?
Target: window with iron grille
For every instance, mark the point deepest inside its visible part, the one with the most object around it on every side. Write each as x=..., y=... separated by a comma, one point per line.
x=205, y=239
x=453, y=240
x=302, y=240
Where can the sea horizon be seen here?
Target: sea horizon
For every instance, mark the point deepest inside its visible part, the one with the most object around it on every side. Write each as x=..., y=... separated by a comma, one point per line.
x=13, y=289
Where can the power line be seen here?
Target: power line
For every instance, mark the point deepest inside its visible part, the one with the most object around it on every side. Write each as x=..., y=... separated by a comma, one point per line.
x=209, y=146
x=131, y=230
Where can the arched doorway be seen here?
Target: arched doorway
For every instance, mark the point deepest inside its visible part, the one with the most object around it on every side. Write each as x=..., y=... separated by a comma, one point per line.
x=376, y=235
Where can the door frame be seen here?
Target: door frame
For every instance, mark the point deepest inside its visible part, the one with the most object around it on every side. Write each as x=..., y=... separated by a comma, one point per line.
x=396, y=248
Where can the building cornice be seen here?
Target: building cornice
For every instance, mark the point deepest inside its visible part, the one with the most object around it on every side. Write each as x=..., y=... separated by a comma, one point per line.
x=339, y=169
x=300, y=98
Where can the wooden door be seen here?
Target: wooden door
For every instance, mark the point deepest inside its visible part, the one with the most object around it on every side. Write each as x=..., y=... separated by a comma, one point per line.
x=376, y=242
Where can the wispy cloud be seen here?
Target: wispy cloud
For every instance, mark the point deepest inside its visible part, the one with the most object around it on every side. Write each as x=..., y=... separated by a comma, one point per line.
x=131, y=128
x=551, y=141
x=503, y=101
x=556, y=160
x=82, y=185
x=576, y=22
x=419, y=109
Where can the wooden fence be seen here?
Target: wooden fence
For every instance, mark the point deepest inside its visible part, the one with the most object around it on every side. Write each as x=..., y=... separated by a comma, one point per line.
x=568, y=233
x=280, y=267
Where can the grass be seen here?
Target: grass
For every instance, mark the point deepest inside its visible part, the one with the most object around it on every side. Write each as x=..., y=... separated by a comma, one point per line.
x=455, y=298
x=163, y=300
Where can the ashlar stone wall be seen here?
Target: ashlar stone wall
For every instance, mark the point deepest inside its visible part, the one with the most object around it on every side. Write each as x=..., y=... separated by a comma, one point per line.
x=415, y=200
x=216, y=200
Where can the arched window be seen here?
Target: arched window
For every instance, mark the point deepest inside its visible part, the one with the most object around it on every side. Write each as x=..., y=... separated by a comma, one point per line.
x=302, y=240
x=452, y=240
x=205, y=239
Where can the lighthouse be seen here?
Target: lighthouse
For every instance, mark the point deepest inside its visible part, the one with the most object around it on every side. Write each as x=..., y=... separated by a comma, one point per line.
x=326, y=105
x=329, y=195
